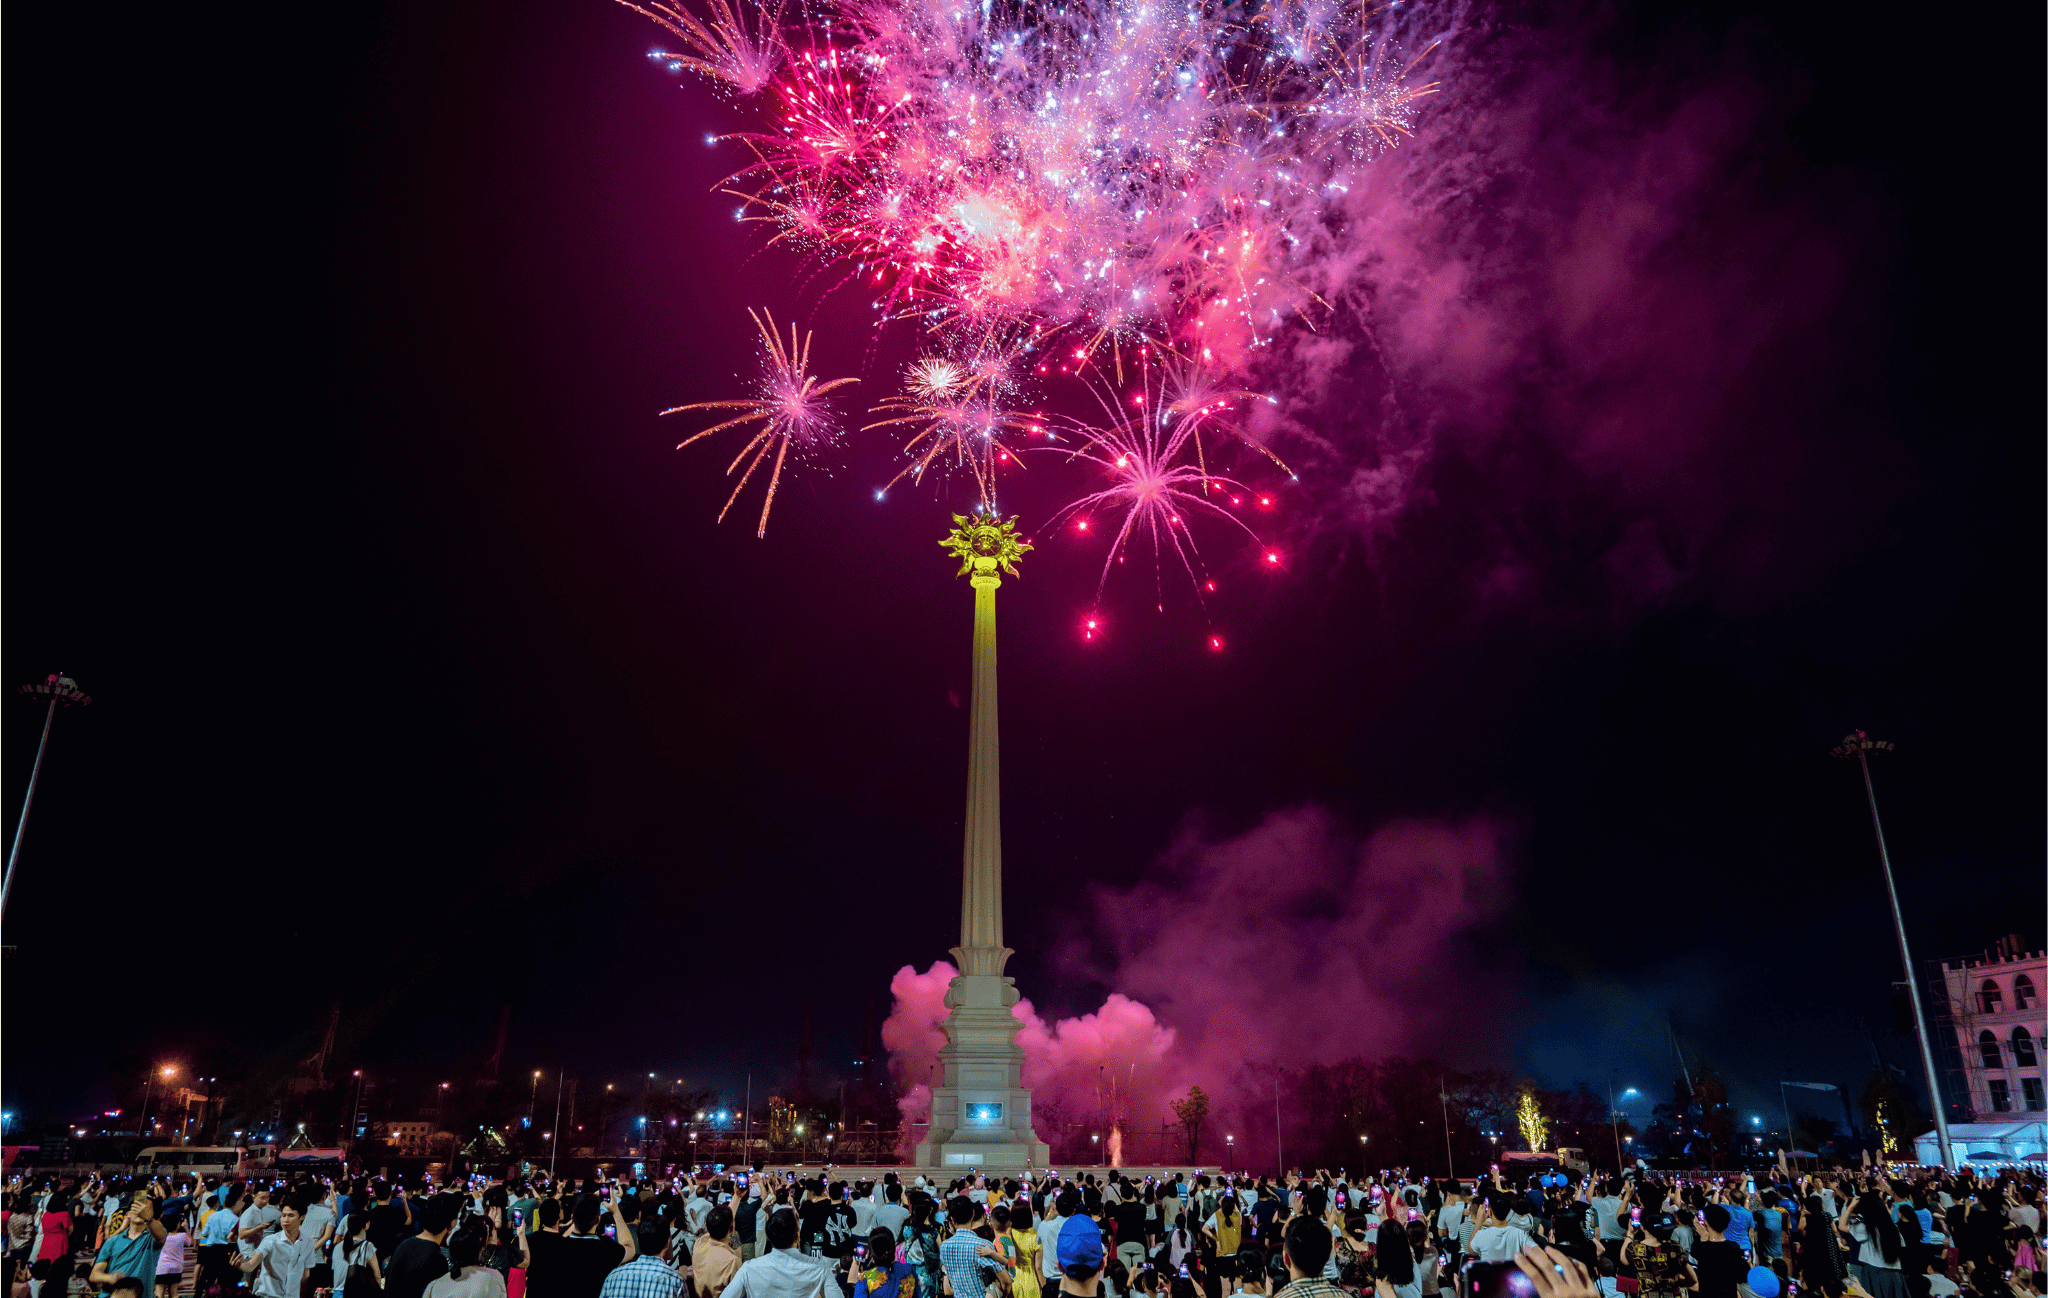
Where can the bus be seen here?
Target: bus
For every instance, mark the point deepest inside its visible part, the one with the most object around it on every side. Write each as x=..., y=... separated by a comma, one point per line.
x=229, y=1162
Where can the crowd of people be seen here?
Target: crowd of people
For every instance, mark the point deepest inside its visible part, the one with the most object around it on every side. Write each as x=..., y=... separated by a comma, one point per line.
x=766, y=1234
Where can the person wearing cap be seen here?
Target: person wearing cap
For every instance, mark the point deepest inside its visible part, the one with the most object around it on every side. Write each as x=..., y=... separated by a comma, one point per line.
x=1080, y=1256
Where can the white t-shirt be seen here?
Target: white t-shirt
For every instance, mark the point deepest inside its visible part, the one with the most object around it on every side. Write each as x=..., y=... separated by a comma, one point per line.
x=476, y=1282
x=1498, y=1243
x=318, y=1218
x=1940, y=1286
x=1049, y=1246
x=2025, y=1214
x=266, y=1217
x=892, y=1215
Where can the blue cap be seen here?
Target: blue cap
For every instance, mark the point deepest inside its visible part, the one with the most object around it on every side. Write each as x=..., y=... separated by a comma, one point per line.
x=1763, y=1282
x=1080, y=1243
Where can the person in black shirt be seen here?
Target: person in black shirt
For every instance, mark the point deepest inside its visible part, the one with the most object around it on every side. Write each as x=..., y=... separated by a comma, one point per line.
x=418, y=1262
x=827, y=1224
x=586, y=1257
x=388, y=1223
x=1720, y=1265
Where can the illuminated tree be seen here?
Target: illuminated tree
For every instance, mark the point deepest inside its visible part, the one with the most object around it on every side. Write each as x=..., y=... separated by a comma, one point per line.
x=1535, y=1127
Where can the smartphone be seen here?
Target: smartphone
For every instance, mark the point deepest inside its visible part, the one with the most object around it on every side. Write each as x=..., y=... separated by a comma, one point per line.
x=1183, y=1270
x=1414, y=1215
x=519, y=1219
x=1635, y=1216
x=611, y=1232
x=860, y=1251
x=1340, y=1199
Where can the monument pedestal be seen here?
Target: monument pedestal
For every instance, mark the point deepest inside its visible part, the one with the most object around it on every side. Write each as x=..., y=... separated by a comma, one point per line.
x=981, y=1113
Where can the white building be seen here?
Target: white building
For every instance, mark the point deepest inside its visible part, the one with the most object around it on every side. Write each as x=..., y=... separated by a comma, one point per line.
x=1996, y=1003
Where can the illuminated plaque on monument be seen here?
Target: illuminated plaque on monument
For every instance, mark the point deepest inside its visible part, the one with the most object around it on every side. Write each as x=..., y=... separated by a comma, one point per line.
x=985, y=1115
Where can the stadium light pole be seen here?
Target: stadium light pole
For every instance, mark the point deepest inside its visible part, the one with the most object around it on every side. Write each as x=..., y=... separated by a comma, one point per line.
x=1859, y=745
x=60, y=690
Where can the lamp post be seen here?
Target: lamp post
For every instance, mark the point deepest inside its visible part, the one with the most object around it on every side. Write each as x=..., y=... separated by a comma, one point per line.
x=1859, y=745
x=1230, y=1151
x=59, y=689
x=533, y=1101
x=355, y=1112
x=149, y=1080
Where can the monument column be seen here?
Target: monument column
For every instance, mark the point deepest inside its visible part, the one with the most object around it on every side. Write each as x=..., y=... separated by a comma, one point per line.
x=981, y=1113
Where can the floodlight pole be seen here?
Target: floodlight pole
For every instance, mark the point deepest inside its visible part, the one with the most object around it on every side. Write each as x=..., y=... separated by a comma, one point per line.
x=1859, y=746
x=59, y=689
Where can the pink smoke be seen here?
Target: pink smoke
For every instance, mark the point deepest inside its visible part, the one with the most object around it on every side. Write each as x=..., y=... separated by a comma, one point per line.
x=1292, y=944
x=1614, y=309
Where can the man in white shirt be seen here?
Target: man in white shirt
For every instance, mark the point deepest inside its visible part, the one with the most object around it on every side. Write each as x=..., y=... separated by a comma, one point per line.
x=781, y=1271
x=1495, y=1240
x=1064, y=1206
x=891, y=1214
x=280, y=1261
x=1452, y=1214
x=259, y=1221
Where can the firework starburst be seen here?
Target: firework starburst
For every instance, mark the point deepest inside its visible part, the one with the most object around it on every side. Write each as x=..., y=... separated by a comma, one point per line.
x=790, y=407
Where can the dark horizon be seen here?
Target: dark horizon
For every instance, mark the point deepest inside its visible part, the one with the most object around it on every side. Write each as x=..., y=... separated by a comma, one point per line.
x=425, y=681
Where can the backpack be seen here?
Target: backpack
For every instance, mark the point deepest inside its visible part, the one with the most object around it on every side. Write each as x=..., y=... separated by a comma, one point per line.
x=357, y=1282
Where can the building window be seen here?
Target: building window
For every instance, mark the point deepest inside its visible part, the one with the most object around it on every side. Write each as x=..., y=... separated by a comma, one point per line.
x=1988, y=997
x=1987, y=1045
x=2022, y=1048
x=2001, y=1096
x=2023, y=997
x=2031, y=1088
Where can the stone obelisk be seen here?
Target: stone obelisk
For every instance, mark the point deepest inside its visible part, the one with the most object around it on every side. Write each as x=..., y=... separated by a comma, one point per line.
x=981, y=1113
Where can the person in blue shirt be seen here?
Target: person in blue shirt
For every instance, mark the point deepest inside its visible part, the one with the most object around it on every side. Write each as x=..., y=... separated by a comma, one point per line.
x=133, y=1251
x=1740, y=1220
x=1770, y=1228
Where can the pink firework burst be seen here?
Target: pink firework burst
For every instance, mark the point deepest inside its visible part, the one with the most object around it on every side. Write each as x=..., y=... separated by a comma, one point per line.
x=790, y=407
x=1148, y=444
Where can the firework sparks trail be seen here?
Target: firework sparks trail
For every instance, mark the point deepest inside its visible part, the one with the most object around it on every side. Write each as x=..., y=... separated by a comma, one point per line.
x=790, y=406
x=1051, y=190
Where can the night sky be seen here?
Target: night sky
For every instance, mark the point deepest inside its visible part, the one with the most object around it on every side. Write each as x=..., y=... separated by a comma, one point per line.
x=424, y=679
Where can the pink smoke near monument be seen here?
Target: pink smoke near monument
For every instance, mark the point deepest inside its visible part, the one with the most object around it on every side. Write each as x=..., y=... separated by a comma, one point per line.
x=1292, y=944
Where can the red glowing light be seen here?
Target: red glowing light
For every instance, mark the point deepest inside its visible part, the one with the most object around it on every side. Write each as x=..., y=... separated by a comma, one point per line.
x=1211, y=585
x=1084, y=524
x=1265, y=500
x=1215, y=642
x=1271, y=557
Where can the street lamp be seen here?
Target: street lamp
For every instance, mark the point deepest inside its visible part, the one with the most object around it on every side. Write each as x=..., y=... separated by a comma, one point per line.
x=148, y=1081
x=1230, y=1151
x=1859, y=745
x=59, y=689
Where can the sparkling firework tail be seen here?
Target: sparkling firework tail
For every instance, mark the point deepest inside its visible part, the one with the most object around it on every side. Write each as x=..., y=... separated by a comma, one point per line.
x=727, y=47
x=790, y=406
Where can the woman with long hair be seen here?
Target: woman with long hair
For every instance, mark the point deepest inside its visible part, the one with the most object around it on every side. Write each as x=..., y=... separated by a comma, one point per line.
x=355, y=1254
x=921, y=1247
x=1222, y=1234
x=1879, y=1252
x=1024, y=1282
x=467, y=1276
x=1818, y=1255
x=1394, y=1262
